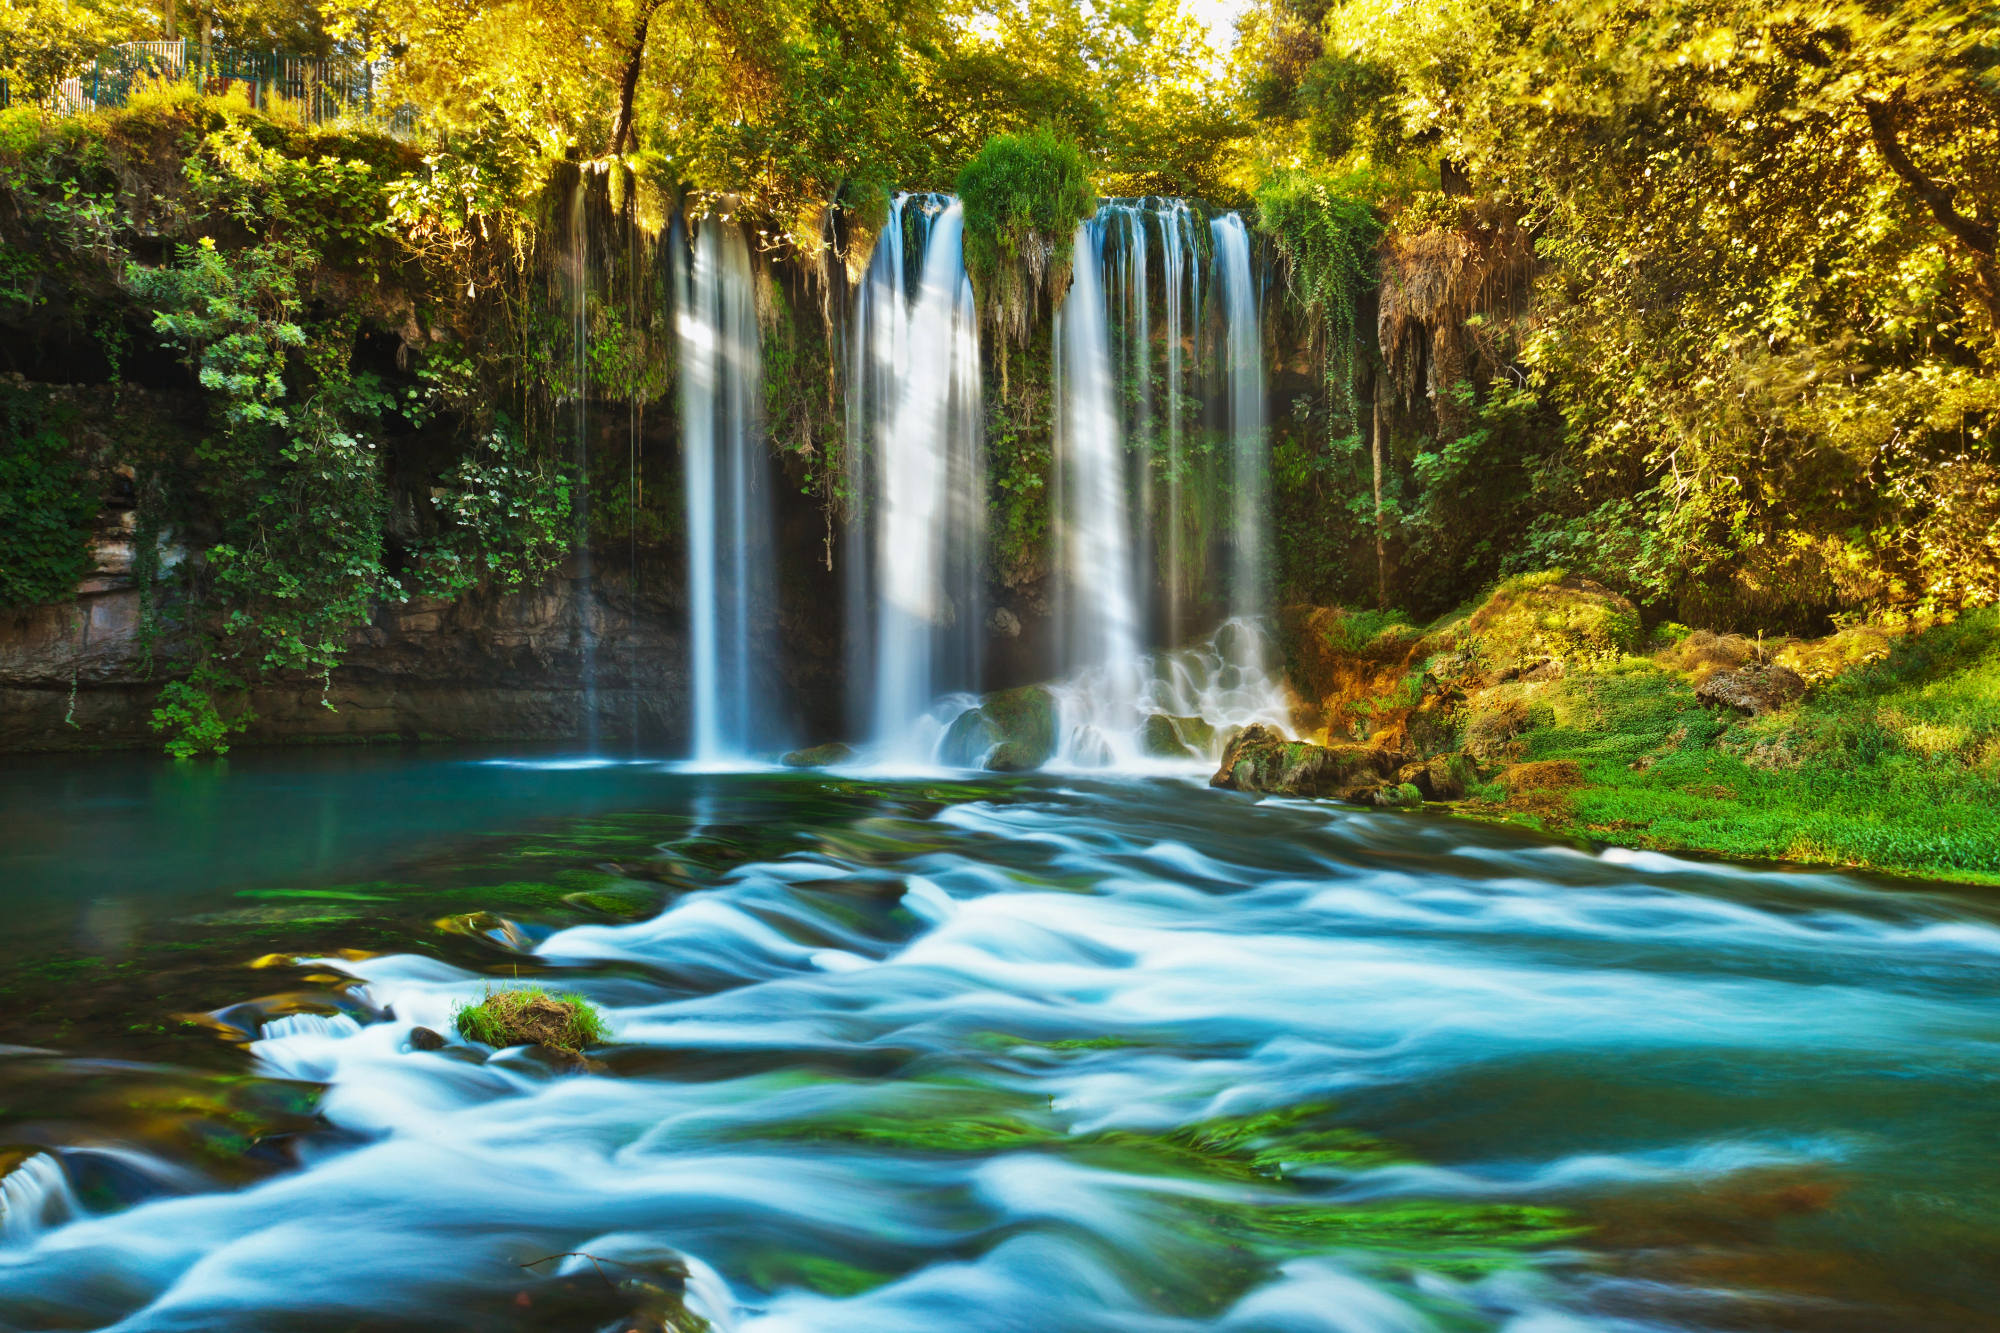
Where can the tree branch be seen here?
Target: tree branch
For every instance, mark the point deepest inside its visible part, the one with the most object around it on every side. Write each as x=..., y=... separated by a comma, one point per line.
x=1975, y=236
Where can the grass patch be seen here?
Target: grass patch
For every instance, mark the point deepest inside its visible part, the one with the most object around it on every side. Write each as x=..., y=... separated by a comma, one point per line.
x=1894, y=765
x=531, y=1016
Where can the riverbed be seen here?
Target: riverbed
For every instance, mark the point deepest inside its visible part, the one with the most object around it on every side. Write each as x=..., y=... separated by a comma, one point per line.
x=925, y=1052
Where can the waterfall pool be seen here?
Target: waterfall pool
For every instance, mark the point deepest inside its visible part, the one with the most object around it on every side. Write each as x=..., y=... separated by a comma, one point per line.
x=1041, y=1053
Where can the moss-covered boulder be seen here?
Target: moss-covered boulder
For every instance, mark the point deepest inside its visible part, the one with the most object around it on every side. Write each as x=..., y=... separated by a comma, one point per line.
x=1536, y=618
x=1259, y=759
x=1013, y=731
x=531, y=1016
x=1164, y=736
x=819, y=756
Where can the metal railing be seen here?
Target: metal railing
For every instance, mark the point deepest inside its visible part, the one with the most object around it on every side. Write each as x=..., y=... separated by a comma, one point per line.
x=317, y=89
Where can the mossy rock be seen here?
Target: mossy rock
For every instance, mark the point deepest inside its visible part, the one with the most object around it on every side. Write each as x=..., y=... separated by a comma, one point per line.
x=1259, y=759
x=1013, y=731
x=1167, y=737
x=531, y=1016
x=819, y=756
x=1533, y=618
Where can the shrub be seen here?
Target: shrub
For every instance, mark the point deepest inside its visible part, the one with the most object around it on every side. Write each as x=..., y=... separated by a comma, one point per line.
x=1023, y=197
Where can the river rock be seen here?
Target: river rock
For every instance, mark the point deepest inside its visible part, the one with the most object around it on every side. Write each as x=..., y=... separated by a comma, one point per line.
x=423, y=1039
x=1259, y=759
x=1013, y=731
x=819, y=756
x=1755, y=690
x=1165, y=736
x=1444, y=777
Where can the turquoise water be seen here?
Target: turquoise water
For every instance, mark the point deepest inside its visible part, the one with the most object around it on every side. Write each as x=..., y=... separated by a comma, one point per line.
x=922, y=1054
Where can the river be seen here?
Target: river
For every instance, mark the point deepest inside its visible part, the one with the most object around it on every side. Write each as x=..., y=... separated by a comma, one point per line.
x=922, y=1054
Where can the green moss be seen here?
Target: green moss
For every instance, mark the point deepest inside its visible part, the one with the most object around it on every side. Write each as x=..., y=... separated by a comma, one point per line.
x=529, y=1015
x=1895, y=766
x=1552, y=615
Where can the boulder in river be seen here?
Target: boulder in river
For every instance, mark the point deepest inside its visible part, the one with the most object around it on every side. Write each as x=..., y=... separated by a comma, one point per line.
x=1167, y=737
x=531, y=1016
x=424, y=1039
x=819, y=756
x=1013, y=731
x=1259, y=759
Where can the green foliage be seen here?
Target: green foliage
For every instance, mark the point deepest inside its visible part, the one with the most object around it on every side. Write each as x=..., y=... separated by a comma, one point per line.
x=528, y=1015
x=1759, y=378
x=192, y=710
x=1325, y=234
x=47, y=502
x=1024, y=195
x=43, y=42
x=509, y=517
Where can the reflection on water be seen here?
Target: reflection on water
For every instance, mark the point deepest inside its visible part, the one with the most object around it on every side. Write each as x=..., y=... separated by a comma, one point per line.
x=1035, y=1054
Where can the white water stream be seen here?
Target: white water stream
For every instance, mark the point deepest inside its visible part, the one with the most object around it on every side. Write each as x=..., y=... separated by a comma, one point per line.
x=915, y=622
x=729, y=521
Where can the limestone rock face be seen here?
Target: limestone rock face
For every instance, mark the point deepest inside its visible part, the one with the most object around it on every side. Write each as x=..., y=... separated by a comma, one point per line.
x=1753, y=689
x=488, y=666
x=1259, y=759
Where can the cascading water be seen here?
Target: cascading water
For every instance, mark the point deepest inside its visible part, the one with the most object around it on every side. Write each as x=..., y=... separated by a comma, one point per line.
x=1245, y=371
x=1100, y=624
x=728, y=492
x=1114, y=561
x=915, y=458
x=584, y=593
x=1178, y=260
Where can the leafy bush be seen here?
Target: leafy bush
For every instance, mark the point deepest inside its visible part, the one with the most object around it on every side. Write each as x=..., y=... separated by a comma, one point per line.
x=1023, y=195
x=47, y=502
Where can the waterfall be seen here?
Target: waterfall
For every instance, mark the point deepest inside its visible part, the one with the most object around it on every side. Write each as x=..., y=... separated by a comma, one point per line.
x=728, y=493
x=1099, y=589
x=915, y=462
x=1132, y=481
x=1177, y=258
x=1120, y=550
x=579, y=312
x=1249, y=464
x=34, y=1197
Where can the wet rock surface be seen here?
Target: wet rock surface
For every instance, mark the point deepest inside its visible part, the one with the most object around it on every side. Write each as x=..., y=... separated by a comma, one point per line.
x=819, y=756
x=1259, y=759
x=1013, y=731
x=1165, y=736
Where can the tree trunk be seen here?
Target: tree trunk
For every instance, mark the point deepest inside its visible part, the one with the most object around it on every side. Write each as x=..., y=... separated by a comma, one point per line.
x=628, y=82
x=1381, y=555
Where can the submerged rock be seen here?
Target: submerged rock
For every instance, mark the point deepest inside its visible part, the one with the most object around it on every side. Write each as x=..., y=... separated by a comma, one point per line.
x=819, y=756
x=423, y=1039
x=1013, y=731
x=1259, y=759
x=1165, y=736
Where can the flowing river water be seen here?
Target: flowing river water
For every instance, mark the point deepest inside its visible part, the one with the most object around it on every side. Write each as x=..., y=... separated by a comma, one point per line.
x=923, y=1054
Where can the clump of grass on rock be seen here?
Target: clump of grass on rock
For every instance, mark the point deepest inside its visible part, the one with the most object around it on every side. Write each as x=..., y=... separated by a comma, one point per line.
x=531, y=1016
